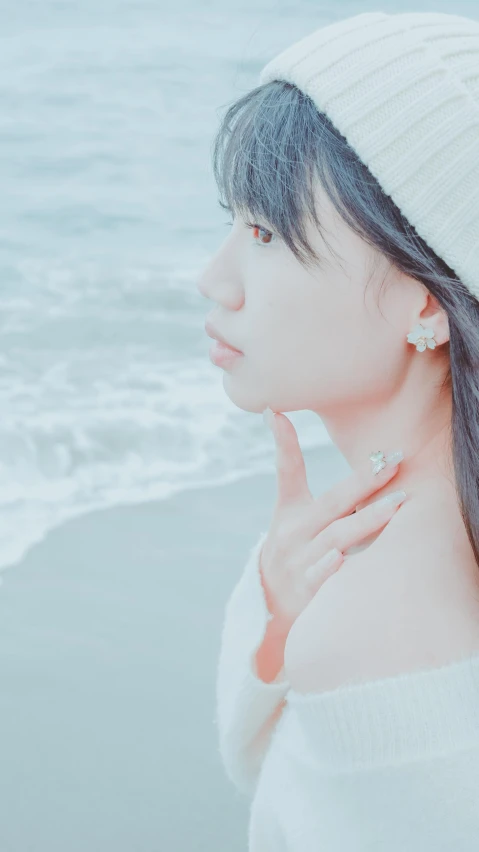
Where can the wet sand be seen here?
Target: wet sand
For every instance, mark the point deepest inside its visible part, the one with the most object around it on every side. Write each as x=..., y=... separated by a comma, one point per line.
x=109, y=637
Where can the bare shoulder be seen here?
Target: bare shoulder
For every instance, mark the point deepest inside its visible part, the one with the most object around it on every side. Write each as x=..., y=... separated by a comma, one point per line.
x=407, y=602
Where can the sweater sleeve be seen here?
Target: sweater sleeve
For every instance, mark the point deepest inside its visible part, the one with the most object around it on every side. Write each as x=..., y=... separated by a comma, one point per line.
x=247, y=708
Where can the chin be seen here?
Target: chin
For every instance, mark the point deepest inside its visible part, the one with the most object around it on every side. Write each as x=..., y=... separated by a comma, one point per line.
x=243, y=396
x=250, y=397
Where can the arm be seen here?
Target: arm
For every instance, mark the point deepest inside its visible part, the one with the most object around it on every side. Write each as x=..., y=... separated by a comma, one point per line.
x=251, y=683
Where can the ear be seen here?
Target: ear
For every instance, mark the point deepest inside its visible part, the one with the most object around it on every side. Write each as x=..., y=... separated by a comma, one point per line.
x=434, y=316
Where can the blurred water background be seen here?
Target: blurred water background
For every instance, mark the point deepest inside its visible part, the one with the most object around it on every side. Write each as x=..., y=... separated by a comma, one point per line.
x=107, y=114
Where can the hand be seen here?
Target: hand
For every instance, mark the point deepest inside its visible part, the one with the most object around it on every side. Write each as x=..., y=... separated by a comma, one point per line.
x=295, y=555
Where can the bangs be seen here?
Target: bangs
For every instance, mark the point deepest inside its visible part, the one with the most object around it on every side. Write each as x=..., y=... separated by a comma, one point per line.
x=267, y=158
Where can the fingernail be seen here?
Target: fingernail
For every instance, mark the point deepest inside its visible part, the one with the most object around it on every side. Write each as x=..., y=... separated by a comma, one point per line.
x=393, y=499
x=395, y=457
x=268, y=417
x=331, y=556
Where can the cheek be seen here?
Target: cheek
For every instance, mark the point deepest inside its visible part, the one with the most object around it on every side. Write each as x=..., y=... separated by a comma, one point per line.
x=352, y=358
x=319, y=338
x=361, y=365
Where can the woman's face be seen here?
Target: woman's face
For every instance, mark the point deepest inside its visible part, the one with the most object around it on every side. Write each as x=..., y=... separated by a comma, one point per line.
x=314, y=339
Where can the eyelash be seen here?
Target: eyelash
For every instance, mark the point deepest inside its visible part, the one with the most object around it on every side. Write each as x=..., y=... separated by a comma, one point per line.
x=254, y=225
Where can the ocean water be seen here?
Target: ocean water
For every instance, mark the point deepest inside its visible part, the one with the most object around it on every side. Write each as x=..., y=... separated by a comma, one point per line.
x=108, y=215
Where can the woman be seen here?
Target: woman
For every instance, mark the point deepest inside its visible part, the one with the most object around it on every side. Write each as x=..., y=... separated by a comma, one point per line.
x=348, y=680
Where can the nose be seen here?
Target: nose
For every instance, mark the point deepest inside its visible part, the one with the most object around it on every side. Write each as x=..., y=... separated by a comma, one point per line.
x=211, y=276
x=202, y=282
x=219, y=280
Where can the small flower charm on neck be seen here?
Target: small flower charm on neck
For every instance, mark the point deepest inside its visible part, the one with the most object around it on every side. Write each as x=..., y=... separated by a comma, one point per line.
x=422, y=338
x=378, y=460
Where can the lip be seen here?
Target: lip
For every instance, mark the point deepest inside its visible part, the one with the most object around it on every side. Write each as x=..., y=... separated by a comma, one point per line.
x=212, y=332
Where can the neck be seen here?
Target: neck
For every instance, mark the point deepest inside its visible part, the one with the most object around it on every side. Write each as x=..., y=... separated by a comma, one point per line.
x=422, y=431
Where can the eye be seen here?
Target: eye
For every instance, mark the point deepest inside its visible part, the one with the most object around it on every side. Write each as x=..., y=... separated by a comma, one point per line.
x=265, y=237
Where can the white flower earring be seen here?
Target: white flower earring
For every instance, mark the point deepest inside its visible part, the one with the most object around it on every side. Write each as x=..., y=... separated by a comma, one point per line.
x=423, y=338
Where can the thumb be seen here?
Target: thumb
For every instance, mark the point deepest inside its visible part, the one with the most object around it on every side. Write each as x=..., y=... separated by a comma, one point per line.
x=290, y=467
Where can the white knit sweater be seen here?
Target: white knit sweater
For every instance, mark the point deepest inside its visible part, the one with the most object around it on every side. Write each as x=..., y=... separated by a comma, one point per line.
x=390, y=765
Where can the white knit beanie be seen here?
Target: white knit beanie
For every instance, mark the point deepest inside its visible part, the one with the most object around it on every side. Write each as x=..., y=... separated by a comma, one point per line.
x=403, y=89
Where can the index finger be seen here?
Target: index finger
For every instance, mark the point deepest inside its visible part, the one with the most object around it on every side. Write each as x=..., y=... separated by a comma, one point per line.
x=290, y=467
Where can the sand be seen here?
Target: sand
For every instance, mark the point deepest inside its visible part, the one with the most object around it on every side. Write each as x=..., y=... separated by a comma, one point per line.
x=109, y=640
